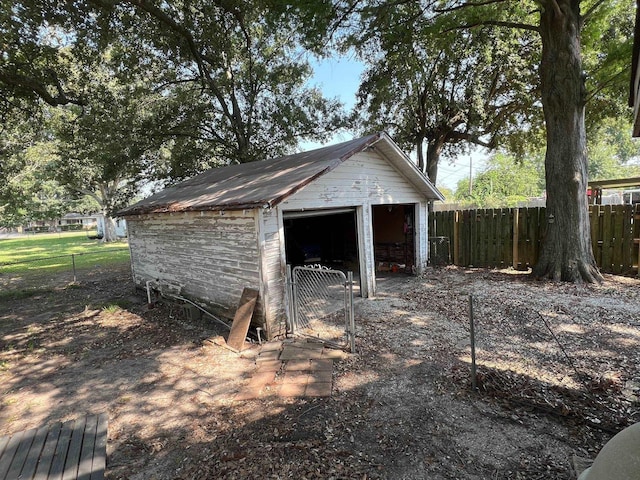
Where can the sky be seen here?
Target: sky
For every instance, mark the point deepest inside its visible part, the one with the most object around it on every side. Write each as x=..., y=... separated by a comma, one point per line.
x=340, y=77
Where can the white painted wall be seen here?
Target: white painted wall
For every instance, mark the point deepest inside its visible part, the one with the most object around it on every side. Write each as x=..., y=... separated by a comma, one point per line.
x=272, y=261
x=211, y=255
x=364, y=178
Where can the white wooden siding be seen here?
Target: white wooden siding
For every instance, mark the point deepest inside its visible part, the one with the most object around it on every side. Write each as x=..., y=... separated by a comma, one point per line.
x=212, y=256
x=364, y=178
x=273, y=285
x=422, y=236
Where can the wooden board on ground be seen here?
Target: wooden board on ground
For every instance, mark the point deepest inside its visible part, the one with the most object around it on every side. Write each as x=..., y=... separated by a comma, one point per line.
x=242, y=318
x=76, y=449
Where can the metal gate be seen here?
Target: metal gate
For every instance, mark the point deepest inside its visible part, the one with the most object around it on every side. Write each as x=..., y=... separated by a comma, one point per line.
x=321, y=305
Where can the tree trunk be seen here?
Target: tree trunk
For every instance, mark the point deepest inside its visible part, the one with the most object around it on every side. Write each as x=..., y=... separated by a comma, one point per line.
x=434, y=150
x=420, y=154
x=566, y=250
x=109, y=233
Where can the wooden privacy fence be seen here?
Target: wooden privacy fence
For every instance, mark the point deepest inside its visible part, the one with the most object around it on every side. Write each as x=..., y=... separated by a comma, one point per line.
x=503, y=237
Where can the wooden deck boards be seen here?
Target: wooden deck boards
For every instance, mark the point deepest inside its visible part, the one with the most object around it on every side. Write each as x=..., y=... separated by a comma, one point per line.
x=74, y=450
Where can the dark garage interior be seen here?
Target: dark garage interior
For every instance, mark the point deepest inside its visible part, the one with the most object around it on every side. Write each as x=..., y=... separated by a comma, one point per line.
x=329, y=239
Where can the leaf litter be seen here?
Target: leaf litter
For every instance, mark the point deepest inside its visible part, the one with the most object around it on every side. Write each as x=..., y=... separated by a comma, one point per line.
x=557, y=376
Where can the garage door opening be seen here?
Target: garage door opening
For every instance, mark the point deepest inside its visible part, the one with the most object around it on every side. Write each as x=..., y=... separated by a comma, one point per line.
x=394, y=238
x=326, y=238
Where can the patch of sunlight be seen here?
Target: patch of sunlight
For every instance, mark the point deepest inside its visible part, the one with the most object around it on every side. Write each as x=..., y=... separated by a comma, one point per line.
x=412, y=362
x=625, y=330
x=526, y=369
x=570, y=328
x=353, y=380
x=419, y=321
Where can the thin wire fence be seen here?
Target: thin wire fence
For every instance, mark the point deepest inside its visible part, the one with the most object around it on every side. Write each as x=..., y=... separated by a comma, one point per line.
x=58, y=270
x=551, y=358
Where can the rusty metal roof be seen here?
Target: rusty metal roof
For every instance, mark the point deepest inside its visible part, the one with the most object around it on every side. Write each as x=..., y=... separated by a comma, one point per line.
x=258, y=184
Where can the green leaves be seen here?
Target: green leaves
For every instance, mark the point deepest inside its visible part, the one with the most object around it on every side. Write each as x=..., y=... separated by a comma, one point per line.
x=239, y=64
x=439, y=79
x=157, y=91
x=504, y=182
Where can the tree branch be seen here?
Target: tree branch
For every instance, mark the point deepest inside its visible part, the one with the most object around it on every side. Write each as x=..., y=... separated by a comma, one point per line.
x=495, y=23
x=468, y=4
x=605, y=84
x=198, y=57
x=32, y=85
x=463, y=136
x=593, y=8
x=163, y=85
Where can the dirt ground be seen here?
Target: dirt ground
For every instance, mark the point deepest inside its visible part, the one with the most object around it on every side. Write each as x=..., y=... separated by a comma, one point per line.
x=558, y=375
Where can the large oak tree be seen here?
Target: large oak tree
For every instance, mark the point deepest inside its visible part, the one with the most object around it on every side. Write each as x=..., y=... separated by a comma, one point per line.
x=566, y=251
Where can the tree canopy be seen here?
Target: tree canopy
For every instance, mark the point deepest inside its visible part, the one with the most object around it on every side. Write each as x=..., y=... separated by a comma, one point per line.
x=240, y=63
x=445, y=76
x=438, y=89
x=504, y=182
x=160, y=91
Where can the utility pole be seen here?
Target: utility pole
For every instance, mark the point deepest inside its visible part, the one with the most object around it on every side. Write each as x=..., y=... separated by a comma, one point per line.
x=470, y=174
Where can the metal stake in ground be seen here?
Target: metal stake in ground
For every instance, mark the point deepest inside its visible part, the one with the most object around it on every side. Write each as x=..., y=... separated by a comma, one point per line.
x=73, y=263
x=473, y=345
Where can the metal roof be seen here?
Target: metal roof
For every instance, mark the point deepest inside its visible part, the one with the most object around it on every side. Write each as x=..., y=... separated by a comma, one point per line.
x=615, y=183
x=268, y=182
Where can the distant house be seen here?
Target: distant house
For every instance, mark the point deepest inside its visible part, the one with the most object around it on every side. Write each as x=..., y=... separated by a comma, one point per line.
x=352, y=206
x=599, y=192
x=93, y=221
x=68, y=222
x=78, y=221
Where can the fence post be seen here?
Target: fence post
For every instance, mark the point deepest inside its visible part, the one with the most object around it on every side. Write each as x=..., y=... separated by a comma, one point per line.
x=456, y=237
x=73, y=263
x=636, y=235
x=473, y=345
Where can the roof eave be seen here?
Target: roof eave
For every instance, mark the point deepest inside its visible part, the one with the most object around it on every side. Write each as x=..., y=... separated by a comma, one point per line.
x=149, y=210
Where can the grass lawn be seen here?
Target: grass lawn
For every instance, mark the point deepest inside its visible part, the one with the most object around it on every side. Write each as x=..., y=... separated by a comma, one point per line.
x=40, y=249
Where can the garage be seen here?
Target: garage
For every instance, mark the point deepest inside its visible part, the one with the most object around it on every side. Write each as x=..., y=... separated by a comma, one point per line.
x=359, y=206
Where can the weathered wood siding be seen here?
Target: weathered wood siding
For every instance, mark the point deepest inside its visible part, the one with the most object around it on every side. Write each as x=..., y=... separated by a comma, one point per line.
x=273, y=285
x=211, y=255
x=364, y=180
x=422, y=236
